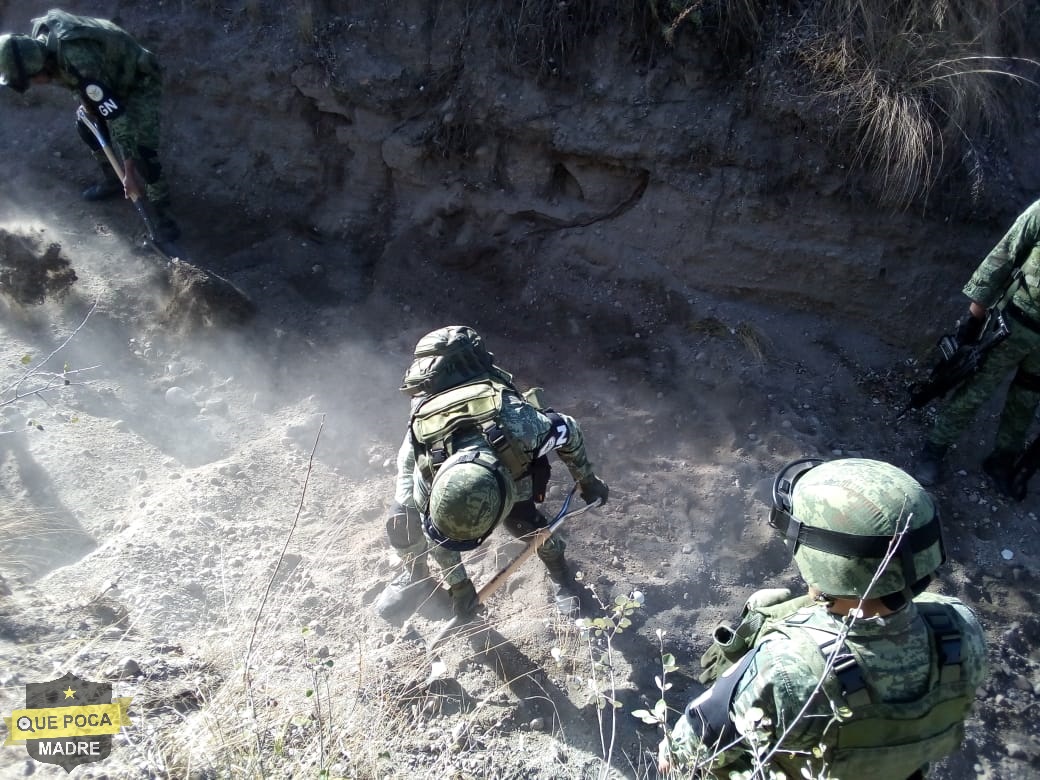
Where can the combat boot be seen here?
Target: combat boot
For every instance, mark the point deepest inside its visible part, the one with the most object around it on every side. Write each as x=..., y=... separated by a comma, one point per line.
x=103, y=190
x=929, y=464
x=1000, y=468
x=464, y=601
x=567, y=592
x=406, y=592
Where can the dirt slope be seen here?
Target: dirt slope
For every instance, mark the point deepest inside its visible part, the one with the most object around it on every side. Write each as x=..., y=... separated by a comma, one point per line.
x=700, y=286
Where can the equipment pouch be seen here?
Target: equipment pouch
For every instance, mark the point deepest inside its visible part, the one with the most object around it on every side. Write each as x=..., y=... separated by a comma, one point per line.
x=727, y=647
x=441, y=415
x=759, y=615
x=534, y=397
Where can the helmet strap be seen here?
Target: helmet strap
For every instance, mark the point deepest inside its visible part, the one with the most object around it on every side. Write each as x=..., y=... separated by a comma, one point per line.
x=900, y=599
x=21, y=80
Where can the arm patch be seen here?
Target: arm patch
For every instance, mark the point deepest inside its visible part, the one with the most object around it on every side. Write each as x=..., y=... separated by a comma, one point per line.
x=558, y=435
x=102, y=101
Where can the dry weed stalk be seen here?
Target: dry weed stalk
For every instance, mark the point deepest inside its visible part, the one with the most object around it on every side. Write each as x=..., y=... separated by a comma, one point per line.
x=910, y=84
x=35, y=382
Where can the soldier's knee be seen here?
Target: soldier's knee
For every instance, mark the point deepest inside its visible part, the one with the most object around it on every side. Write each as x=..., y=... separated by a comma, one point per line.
x=524, y=519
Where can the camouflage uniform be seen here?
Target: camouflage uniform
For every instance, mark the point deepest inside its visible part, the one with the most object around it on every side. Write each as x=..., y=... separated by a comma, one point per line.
x=895, y=656
x=801, y=688
x=1019, y=249
x=538, y=435
x=133, y=75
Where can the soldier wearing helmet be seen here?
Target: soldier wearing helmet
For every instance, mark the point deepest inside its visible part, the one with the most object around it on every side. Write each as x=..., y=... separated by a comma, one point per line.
x=866, y=676
x=117, y=80
x=474, y=457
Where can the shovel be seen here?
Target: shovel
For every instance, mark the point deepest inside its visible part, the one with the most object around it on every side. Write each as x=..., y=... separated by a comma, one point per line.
x=224, y=291
x=496, y=582
x=140, y=202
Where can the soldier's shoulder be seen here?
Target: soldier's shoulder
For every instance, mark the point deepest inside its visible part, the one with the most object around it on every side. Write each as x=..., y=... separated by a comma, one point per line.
x=954, y=605
x=788, y=650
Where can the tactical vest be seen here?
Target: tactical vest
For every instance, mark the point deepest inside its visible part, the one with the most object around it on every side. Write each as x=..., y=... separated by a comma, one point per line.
x=57, y=27
x=873, y=738
x=441, y=421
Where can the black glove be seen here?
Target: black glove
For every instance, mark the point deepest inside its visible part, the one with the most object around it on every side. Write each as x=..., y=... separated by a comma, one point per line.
x=593, y=489
x=969, y=329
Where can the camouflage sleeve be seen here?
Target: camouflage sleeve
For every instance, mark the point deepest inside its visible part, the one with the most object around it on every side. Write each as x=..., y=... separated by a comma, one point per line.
x=767, y=698
x=88, y=59
x=771, y=695
x=990, y=279
x=404, y=482
x=688, y=754
x=566, y=438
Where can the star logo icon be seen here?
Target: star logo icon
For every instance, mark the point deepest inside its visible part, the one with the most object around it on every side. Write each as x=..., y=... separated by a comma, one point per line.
x=69, y=693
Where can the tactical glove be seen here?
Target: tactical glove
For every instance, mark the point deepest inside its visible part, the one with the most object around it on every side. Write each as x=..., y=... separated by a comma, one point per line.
x=593, y=489
x=969, y=329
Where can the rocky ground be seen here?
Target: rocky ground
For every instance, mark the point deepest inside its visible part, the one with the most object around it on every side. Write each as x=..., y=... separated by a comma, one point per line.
x=197, y=516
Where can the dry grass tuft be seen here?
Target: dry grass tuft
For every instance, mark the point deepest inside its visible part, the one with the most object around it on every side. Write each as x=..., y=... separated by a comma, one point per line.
x=912, y=87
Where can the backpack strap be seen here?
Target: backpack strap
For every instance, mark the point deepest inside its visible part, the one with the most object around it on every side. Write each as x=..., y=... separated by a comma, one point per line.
x=507, y=449
x=946, y=639
x=846, y=668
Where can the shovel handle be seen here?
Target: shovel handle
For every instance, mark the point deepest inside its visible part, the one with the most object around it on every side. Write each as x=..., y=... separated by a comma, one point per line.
x=496, y=582
x=502, y=575
x=140, y=204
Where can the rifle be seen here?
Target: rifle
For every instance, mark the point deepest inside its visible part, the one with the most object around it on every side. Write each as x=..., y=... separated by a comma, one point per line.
x=958, y=361
x=1026, y=465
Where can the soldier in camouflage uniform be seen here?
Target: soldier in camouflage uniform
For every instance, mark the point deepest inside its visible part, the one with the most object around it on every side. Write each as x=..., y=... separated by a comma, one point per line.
x=866, y=676
x=1020, y=352
x=475, y=454
x=117, y=80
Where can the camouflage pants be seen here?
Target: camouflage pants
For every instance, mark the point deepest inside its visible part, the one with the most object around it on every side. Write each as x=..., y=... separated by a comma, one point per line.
x=524, y=519
x=1020, y=352
x=136, y=135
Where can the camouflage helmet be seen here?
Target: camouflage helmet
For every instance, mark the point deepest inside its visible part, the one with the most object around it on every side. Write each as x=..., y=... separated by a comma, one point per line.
x=445, y=358
x=841, y=518
x=21, y=58
x=471, y=492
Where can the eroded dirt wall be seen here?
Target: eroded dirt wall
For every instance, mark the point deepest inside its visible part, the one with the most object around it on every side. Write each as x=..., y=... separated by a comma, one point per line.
x=414, y=136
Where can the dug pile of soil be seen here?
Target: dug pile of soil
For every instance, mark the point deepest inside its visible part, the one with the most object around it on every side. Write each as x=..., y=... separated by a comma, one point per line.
x=31, y=273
